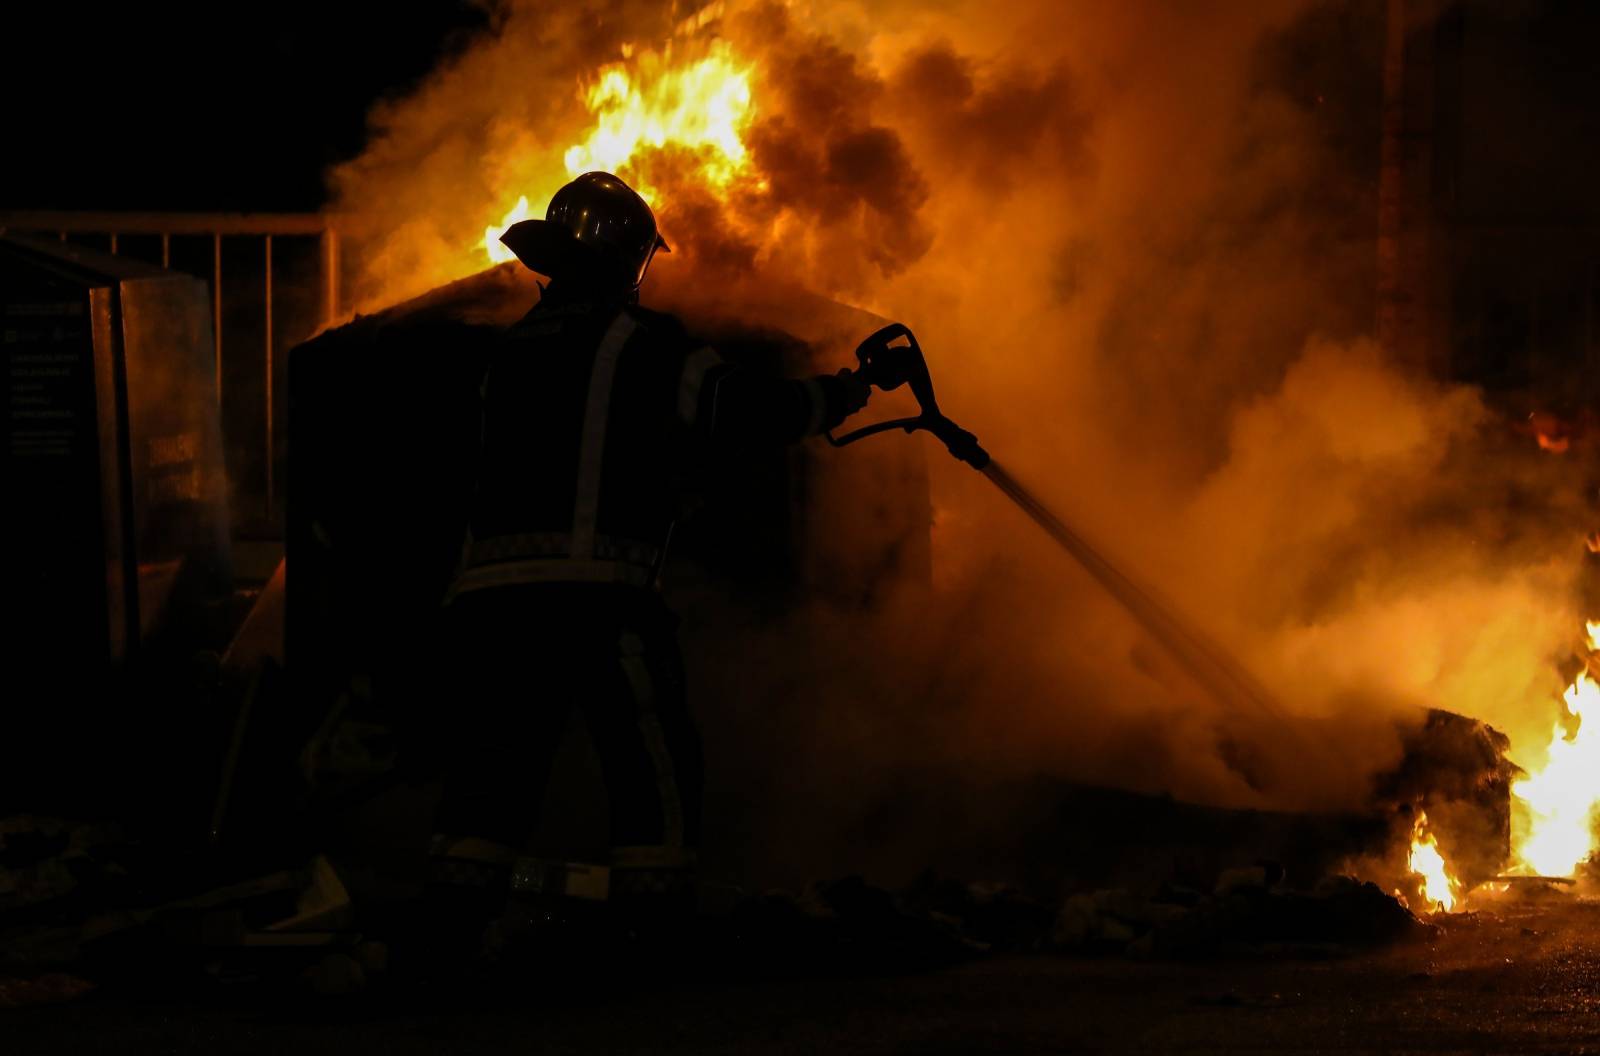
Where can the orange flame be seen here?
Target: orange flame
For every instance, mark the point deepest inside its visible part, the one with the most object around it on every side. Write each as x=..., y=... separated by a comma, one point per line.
x=491, y=234
x=649, y=102
x=701, y=107
x=1555, y=830
x=1436, y=886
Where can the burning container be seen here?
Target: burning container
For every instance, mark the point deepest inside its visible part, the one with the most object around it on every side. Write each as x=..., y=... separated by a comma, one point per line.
x=116, y=525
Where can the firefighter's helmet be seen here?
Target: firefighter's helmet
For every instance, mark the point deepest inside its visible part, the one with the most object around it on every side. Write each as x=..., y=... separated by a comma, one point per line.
x=595, y=224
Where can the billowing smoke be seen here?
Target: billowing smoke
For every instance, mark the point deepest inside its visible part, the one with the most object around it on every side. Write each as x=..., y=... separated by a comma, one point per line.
x=1137, y=241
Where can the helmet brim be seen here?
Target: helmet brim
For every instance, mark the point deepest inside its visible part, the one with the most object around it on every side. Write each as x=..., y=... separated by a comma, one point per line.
x=550, y=249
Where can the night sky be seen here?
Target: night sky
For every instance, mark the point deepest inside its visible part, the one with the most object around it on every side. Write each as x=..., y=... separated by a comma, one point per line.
x=223, y=107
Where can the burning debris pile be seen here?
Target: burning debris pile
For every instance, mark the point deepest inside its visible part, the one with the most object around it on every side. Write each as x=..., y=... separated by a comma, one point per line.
x=1548, y=831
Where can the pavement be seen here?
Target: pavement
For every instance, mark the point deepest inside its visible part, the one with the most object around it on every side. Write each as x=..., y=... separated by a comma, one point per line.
x=1517, y=979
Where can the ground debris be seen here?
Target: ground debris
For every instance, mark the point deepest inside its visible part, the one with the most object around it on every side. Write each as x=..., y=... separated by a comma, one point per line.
x=44, y=989
x=1239, y=918
x=44, y=859
x=938, y=919
x=845, y=925
x=996, y=915
x=304, y=922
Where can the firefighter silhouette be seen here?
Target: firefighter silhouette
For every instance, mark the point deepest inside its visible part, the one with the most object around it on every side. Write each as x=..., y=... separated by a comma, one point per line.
x=588, y=405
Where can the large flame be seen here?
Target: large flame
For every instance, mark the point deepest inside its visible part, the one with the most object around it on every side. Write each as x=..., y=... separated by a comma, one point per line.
x=1436, y=886
x=1560, y=799
x=698, y=108
x=491, y=234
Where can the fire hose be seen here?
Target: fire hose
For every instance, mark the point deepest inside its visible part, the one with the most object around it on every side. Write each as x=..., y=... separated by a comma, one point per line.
x=888, y=365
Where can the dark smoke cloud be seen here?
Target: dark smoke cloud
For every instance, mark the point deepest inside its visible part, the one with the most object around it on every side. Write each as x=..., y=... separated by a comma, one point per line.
x=985, y=130
x=843, y=182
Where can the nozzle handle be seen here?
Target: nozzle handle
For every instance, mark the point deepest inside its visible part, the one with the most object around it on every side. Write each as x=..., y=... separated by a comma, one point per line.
x=889, y=366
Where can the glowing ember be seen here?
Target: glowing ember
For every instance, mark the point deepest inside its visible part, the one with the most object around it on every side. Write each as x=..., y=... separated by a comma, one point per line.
x=1560, y=799
x=1554, y=444
x=1437, y=886
x=491, y=234
x=697, y=108
x=1550, y=432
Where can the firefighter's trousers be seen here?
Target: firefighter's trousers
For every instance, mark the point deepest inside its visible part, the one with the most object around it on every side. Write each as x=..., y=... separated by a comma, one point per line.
x=522, y=660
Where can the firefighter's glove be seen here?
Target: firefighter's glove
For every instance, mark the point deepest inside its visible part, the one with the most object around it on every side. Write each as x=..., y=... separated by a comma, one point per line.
x=854, y=391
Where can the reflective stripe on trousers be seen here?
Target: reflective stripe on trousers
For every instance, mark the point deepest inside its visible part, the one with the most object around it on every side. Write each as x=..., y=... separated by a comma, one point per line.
x=637, y=670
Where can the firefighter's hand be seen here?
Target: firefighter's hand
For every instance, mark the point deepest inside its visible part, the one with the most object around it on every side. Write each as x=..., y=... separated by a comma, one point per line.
x=854, y=389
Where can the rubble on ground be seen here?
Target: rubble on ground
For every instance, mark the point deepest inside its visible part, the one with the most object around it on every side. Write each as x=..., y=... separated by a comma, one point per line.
x=44, y=859
x=1241, y=918
x=304, y=924
x=46, y=989
x=935, y=919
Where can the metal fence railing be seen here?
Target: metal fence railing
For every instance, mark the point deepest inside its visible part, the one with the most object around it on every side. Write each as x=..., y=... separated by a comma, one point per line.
x=113, y=227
